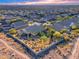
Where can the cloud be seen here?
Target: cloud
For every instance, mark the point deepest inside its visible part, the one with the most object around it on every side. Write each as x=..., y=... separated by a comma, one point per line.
x=40, y=2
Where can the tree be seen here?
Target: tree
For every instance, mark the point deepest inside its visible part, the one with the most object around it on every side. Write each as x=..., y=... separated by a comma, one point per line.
x=44, y=38
x=30, y=23
x=59, y=18
x=50, y=32
x=77, y=30
x=1, y=29
x=57, y=34
x=12, y=31
x=12, y=21
x=73, y=27
x=63, y=30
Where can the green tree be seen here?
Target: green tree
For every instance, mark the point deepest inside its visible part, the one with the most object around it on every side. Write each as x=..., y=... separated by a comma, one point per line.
x=43, y=38
x=1, y=29
x=59, y=18
x=12, y=31
x=73, y=27
x=63, y=30
x=57, y=34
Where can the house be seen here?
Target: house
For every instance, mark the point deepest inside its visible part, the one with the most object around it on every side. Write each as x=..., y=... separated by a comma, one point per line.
x=65, y=24
x=32, y=31
x=48, y=18
x=19, y=25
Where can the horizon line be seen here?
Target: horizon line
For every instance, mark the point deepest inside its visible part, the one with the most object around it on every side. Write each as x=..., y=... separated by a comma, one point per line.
x=41, y=3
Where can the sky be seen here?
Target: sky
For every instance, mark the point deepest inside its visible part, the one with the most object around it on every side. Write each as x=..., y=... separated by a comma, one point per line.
x=30, y=2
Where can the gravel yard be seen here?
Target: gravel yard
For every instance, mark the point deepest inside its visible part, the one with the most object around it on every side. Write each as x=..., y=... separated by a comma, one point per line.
x=8, y=52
